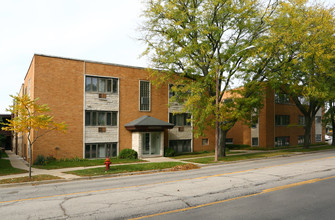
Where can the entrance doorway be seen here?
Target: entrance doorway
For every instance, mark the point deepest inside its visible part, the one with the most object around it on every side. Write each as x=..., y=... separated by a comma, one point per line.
x=151, y=143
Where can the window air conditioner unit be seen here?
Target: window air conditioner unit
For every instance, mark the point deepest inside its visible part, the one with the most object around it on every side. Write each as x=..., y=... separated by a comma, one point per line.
x=102, y=129
x=102, y=96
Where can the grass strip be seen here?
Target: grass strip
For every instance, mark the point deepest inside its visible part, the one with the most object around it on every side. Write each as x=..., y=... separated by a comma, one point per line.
x=195, y=155
x=7, y=169
x=310, y=149
x=125, y=168
x=209, y=160
x=3, y=154
x=283, y=152
x=58, y=164
x=27, y=179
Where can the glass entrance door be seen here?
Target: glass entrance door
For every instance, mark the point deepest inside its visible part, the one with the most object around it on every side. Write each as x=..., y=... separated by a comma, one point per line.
x=151, y=143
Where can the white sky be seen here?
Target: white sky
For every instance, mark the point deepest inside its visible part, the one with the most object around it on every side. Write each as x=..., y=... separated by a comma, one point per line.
x=99, y=30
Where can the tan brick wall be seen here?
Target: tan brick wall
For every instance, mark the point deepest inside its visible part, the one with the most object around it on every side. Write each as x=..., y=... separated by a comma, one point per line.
x=60, y=84
x=241, y=133
x=197, y=142
x=129, y=96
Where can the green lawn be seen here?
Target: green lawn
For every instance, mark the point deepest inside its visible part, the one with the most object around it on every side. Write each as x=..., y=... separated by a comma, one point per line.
x=310, y=149
x=7, y=169
x=125, y=168
x=27, y=179
x=261, y=154
x=199, y=154
x=58, y=164
x=208, y=160
x=3, y=155
x=193, y=155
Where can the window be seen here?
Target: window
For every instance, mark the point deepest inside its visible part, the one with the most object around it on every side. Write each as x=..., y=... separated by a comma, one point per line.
x=100, y=150
x=282, y=119
x=29, y=86
x=229, y=140
x=318, y=119
x=181, y=119
x=281, y=98
x=318, y=138
x=144, y=96
x=282, y=141
x=102, y=85
x=254, y=123
x=204, y=141
x=301, y=120
x=301, y=139
x=171, y=93
x=254, y=142
x=100, y=118
x=180, y=146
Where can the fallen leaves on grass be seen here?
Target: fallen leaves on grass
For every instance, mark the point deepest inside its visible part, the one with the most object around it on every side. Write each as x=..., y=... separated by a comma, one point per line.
x=187, y=166
x=27, y=179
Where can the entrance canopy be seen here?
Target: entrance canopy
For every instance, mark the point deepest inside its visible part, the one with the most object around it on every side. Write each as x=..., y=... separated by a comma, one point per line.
x=148, y=123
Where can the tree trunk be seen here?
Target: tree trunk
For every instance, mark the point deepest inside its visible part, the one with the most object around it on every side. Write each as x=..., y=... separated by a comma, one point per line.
x=222, y=145
x=333, y=126
x=30, y=154
x=30, y=158
x=332, y=119
x=307, y=135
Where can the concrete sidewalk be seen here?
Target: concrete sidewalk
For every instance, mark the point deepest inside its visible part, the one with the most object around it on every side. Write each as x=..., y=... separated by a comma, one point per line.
x=20, y=163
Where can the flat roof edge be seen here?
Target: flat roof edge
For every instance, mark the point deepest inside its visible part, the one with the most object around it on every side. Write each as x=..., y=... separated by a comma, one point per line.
x=90, y=61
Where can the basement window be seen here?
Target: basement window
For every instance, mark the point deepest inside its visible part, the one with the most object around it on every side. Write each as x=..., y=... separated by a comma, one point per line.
x=282, y=141
x=318, y=138
x=100, y=150
x=205, y=141
x=254, y=142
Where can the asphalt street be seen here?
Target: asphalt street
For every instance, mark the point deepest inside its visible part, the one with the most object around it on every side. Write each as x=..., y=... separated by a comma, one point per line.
x=155, y=194
x=309, y=202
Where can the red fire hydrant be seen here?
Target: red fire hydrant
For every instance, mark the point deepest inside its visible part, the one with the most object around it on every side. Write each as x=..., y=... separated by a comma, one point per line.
x=107, y=163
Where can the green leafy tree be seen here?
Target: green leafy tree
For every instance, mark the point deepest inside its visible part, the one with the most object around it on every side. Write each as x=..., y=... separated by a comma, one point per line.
x=31, y=118
x=200, y=44
x=299, y=47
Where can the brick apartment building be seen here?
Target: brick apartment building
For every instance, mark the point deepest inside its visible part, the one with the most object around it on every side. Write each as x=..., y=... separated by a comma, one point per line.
x=108, y=108
x=280, y=123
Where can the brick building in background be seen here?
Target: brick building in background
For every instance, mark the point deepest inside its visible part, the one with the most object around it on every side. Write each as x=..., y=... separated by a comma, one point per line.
x=280, y=123
x=106, y=107
x=6, y=139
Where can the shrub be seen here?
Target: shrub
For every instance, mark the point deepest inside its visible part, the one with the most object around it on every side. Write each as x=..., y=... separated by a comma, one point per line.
x=40, y=160
x=169, y=152
x=237, y=146
x=50, y=158
x=128, y=154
